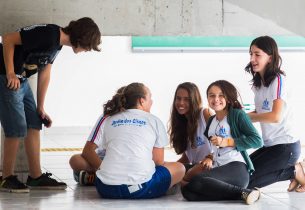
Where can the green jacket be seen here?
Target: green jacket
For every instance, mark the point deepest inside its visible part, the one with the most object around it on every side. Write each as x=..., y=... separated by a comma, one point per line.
x=243, y=132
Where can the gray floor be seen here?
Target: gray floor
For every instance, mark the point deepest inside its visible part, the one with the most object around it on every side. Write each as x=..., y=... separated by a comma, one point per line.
x=76, y=197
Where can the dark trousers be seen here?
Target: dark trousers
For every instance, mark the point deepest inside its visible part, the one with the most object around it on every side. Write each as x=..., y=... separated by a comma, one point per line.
x=221, y=183
x=274, y=164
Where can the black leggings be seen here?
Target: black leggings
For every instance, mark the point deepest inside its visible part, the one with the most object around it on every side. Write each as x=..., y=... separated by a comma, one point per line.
x=225, y=182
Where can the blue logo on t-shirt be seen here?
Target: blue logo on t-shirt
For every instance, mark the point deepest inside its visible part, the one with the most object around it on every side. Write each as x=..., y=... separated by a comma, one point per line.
x=223, y=132
x=199, y=141
x=136, y=122
x=266, y=105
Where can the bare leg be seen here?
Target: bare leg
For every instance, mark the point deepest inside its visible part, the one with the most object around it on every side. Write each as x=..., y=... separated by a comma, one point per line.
x=9, y=156
x=177, y=171
x=32, y=149
x=198, y=168
x=78, y=163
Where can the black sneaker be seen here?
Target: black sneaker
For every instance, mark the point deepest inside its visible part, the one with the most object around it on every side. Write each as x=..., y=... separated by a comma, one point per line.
x=86, y=178
x=45, y=182
x=13, y=185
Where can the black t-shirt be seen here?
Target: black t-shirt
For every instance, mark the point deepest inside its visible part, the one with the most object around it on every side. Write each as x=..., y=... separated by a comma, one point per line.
x=40, y=46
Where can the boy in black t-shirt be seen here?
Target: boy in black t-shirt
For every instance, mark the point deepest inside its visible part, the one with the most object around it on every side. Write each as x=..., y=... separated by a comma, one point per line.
x=32, y=50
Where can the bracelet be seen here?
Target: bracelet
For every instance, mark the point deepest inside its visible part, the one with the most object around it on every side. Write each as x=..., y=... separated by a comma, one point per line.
x=210, y=156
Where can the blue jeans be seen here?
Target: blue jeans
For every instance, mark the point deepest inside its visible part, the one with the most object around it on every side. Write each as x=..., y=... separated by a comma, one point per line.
x=18, y=110
x=155, y=187
x=274, y=164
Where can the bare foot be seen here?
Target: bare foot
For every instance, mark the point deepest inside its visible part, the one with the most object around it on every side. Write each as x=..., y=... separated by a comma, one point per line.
x=299, y=173
x=293, y=185
x=300, y=189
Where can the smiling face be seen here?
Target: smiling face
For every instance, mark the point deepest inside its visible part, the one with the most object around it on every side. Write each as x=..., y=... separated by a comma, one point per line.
x=182, y=101
x=259, y=60
x=216, y=99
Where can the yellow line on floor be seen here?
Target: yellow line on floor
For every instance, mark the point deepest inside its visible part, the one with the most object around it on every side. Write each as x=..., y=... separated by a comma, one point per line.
x=71, y=149
x=60, y=149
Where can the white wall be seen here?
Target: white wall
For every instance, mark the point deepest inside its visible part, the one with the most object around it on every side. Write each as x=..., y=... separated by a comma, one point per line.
x=81, y=83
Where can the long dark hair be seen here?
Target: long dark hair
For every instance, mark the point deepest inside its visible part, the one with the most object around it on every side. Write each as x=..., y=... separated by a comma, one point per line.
x=182, y=129
x=230, y=92
x=125, y=98
x=84, y=33
x=269, y=46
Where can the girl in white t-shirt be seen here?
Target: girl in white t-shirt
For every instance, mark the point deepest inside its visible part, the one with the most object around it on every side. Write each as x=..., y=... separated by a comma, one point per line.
x=134, y=140
x=187, y=125
x=231, y=133
x=276, y=161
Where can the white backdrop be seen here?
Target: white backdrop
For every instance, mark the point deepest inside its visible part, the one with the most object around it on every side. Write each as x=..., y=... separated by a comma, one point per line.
x=81, y=84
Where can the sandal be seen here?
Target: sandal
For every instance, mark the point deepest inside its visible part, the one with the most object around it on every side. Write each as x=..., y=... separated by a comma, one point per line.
x=293, y=185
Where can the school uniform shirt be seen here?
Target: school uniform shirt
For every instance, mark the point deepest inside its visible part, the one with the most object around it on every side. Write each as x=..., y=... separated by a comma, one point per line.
x=129, y=138
x=40, y=46
x=275, y=133
x=202, y=145
x=225, y=155
x=96, y=136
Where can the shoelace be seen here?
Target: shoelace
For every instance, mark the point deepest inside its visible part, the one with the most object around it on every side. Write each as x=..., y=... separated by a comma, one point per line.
x=244, y=195
x=47, y=174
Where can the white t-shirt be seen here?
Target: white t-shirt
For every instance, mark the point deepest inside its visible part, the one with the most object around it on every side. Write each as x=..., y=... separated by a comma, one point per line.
x=225, y=155
x=275, y=133
x=203, y=148
x=96, y=136
x=129, y=138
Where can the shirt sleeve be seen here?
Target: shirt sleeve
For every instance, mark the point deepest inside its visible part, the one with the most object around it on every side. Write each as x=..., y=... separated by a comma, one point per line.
x=162, y=139
x=39, y=37
x=97, y=131
x=278, y=88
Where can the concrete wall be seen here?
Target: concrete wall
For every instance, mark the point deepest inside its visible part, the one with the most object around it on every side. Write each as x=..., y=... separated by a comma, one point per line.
x=160, y=17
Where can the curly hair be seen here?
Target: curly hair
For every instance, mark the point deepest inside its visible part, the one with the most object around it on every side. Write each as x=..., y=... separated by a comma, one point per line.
x=125, y=98
x=84, y=33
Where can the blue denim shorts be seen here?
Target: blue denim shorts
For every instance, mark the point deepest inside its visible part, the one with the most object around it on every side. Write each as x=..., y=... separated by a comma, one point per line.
x=18, y=110
x=155, y=187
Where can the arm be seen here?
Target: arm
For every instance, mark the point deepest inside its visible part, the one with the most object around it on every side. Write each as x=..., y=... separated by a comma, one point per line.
x=158, y=155
x=9, y=41
x=207, y=114
x=249, y=137
x=183, y=159
x=42, y=86
x=274, y=116
x=90, y=155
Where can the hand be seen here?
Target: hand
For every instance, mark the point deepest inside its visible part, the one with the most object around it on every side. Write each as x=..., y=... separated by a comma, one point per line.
x=207, y=163
x=47, y=121
x=216, y=141
x=12, y=81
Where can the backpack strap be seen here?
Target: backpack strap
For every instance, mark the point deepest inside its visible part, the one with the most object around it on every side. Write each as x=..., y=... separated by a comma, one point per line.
x=206, y=132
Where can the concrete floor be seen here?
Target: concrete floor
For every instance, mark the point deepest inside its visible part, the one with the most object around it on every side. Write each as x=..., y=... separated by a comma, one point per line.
x=75, y=197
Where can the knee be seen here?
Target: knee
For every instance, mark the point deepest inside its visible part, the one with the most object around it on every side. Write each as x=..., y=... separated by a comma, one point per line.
x=179, y=171
x=74, y=160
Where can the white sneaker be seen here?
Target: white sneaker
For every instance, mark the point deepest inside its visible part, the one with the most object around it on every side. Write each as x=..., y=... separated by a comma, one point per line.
x=251, y=197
